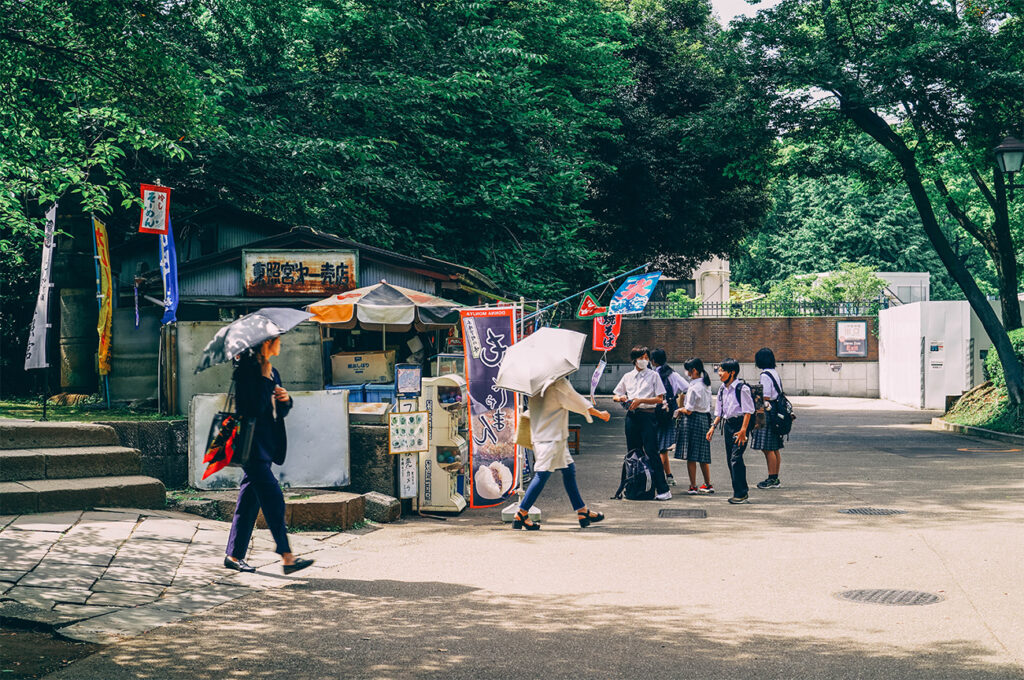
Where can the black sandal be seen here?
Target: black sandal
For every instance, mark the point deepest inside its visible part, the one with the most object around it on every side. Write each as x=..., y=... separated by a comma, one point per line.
x=523, y=521
x=587, y=517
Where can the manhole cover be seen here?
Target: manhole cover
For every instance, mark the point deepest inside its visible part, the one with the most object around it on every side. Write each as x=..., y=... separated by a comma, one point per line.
x=897, y=598
x=675, y=513
x=872, y=511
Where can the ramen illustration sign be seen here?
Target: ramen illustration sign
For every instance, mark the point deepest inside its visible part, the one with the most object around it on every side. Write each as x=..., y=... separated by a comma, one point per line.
x=285, y=273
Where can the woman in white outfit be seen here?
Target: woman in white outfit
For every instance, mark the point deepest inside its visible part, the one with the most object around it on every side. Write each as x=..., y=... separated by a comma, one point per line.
x=549, y=430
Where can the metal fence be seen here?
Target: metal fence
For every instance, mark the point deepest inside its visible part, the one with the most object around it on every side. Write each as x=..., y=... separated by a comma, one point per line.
x=686, y=309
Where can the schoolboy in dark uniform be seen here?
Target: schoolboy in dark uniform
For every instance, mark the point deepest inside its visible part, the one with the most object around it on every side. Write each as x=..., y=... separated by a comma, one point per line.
x=735, y=413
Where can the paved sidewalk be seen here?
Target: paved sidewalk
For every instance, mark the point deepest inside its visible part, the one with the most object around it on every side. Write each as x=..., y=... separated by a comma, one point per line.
x=105, y=575
x=750, y=591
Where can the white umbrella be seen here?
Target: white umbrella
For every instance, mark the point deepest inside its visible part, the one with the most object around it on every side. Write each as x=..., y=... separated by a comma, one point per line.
x=533, y=364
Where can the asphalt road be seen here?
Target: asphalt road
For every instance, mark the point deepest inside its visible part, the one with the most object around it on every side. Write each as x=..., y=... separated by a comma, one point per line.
x=750, y=591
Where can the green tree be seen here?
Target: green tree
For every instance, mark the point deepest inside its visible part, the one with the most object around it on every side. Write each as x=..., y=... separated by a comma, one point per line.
x=690, y=175
x=936, y=84
x=840, y=203
x=83, y=84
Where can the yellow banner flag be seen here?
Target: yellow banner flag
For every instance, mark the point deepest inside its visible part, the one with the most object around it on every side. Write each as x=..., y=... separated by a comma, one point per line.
x=104, y=289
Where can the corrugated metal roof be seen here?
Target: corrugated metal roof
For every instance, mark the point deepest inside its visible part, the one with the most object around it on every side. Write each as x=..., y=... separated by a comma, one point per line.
x=225, y=280
x=371, y=272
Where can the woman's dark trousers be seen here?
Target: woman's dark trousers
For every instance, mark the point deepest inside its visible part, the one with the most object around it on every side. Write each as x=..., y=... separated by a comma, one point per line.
x=259, y=489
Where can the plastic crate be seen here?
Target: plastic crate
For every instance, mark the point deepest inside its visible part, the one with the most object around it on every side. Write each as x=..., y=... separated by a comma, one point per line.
x=356, y=393
x=381, y=393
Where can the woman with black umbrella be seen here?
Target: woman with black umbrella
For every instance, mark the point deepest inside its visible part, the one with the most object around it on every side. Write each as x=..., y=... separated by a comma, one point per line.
x=263, y=399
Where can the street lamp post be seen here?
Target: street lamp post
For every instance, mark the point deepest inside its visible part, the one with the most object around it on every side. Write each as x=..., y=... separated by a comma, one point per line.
x=1010, y=157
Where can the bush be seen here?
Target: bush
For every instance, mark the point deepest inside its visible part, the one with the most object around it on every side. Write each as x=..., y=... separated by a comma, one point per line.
x=679, y=305
x=994, y=368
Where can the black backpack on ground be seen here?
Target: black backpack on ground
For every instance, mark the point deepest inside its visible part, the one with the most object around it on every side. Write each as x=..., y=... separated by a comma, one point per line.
x=636, y=482
x=780, y=414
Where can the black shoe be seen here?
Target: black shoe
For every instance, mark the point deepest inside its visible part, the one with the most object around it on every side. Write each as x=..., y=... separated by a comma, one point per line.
x=523, y=521
x=240, y=565
x=299, y=565
x=589, y=517
x=766, y=484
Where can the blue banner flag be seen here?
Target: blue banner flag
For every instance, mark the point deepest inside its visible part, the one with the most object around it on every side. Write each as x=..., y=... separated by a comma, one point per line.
x=169, y=269
x=633, y=294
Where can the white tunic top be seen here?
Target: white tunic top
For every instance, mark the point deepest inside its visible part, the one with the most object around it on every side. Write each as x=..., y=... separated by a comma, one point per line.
x=549, y=424
x=549, y=412
x=643, y=384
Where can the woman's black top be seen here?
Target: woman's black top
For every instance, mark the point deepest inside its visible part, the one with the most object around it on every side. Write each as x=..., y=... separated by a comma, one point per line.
x=255, y=394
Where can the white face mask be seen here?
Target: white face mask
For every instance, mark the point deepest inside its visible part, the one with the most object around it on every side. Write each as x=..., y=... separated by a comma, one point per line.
x=641, y=364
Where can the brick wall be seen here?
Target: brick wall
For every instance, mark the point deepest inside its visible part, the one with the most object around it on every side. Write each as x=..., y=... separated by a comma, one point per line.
x=804, y=339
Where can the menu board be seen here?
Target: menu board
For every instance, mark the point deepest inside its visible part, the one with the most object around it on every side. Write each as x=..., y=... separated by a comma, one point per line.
x=407, y=432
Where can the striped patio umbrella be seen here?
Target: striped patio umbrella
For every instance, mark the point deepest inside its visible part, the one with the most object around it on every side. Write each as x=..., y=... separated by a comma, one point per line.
x=384, y=307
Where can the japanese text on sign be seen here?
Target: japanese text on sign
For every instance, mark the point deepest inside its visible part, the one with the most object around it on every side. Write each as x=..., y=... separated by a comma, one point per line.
x=156, y=203
x=299, y=272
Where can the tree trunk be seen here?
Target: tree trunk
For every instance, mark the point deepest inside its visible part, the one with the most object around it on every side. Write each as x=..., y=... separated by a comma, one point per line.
x=879, y=130
x=1006, y=261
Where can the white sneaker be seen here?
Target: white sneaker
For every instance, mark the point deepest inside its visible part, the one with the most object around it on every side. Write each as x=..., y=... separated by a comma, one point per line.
x=667, y=496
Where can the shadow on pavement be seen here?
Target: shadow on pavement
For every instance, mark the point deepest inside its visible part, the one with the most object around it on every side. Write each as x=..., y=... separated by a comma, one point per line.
x=428, y=630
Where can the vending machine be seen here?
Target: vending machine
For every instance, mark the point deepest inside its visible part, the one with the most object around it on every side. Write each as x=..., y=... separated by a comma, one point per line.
x=445, y=400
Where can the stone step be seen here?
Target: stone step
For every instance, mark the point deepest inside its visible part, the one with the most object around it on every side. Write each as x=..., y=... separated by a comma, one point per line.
x=52, y=495
x=16, y=435
x=313, y=509
x=68, y=463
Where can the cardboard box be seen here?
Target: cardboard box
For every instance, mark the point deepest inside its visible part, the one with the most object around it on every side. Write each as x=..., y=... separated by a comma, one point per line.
x=363, y=367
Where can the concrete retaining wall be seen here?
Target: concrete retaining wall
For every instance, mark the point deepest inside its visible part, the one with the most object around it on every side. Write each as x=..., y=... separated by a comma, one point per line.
x=163, y=445
x=372, y=467
x=799, y=378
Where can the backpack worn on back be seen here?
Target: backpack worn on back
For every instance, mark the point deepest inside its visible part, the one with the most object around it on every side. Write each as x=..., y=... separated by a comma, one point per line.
x=637, y=483
x=757, y=418
x=779, y=410
x=663, y=412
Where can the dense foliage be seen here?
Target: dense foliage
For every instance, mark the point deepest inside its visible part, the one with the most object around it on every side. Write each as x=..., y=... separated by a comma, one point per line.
x=934, y=84
x=839, y=204
x=546, y=142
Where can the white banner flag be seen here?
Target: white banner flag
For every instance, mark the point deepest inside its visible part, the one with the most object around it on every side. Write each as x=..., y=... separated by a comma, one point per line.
x=35, y=354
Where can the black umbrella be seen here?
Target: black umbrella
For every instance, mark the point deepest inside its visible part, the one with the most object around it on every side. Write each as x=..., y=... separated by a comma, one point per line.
x=249, y=331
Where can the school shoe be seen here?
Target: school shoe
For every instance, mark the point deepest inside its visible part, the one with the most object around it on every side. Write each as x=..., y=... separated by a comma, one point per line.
x=667, y=496
x=736, y=501
x=671, y=480
x=692, y=491
x=706, y=488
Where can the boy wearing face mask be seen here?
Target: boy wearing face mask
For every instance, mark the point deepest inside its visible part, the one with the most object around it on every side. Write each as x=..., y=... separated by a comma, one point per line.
x=642, y=390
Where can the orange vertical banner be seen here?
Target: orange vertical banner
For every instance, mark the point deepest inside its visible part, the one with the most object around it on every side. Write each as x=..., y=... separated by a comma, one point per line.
x=104, y=290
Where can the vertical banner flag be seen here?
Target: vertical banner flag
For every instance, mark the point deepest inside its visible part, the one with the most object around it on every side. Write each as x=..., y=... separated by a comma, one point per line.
x=169, y=269
x=101, y=252
x=35, y=353
x=606, y=332
x=596, y=378
x=487, y=334
x=156, y=209
x=633, y=294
